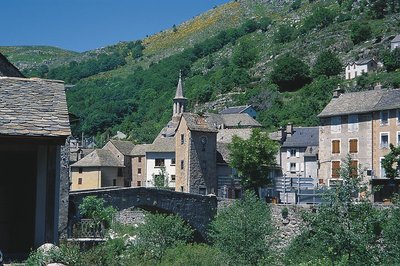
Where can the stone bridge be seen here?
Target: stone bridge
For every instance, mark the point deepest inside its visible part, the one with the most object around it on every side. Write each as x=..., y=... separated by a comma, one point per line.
x=196, y=210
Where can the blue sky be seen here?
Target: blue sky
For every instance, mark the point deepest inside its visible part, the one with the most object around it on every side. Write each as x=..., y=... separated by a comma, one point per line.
x=82, y=25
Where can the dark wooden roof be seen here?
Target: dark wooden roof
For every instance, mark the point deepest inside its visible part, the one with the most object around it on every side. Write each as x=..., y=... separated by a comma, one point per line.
x=7, y=69
x=33, y=108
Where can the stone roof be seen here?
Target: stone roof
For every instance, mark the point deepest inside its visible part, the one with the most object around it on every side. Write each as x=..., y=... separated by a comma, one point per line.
x=99, y=158
x=223, y=153
x=198, y=123
x=240, y=120
x=302, y=137
x=125, y=147
x=362, y=102
x=7, y=69
x=226, y=135
x=361, y=61
x=162, y=145
x=235, y=109
x=140, y=150
x=33, y=107
x=396, y=39
x=73, y=154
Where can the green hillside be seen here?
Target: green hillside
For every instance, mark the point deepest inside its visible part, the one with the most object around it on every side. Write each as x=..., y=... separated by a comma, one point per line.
x=265, y=53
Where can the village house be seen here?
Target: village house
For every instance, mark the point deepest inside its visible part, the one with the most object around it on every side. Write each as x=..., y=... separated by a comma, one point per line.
x=362, y=125
x=34, y=125
x=357, y=68
x=138, y=157
x=248, y=109
x=395, y=43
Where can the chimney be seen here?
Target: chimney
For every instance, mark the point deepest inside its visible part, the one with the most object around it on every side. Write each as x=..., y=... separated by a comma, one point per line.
x=282, y=134
x=337, y=92
x=378, y=86
x=289, y=129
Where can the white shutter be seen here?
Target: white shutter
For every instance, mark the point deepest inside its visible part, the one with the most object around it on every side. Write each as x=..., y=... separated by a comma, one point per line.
x=302, y=167
x=288, y=167
x=297, y=153
x=297, y=167
x=288, y=153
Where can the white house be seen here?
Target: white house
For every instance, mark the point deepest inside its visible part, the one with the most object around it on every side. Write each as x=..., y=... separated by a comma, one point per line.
x=357, y=68
x=395, y=43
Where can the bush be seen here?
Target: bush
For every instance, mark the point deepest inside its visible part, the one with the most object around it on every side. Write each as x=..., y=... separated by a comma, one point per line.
x=327, y=64
x=360, y=32
x=68, y=255
x=320, y=18
x=93, y=208
x=295, y=5
x=391, y=60
x=285, y=34
x=196, y=254
x=290, y=73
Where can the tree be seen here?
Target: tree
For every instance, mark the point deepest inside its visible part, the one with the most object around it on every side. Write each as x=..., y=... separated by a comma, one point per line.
x=391, y=60
x=94, y=208
x=242, y=230
x=327, y=64
x=320, y=18
x=290, y=73
x=377, y=8
x=285, y=34
x=161, y=180
x=346, y=228
x=360, y=32
x=391, y=234
x=244, y=54
x=253, y=158
x=160, y=232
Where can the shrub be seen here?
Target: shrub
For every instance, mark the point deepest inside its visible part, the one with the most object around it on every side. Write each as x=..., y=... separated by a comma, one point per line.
x=290, y=73
x=295, y=5
x=391, y=60
x=327, y=64
x=285, y=34
x=66, y=254
x=93, y=208
x=320, y=18
x=193, y=254
x=360, y=32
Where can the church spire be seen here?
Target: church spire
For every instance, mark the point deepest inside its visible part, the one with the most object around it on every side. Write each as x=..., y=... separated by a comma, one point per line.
x=179, y=100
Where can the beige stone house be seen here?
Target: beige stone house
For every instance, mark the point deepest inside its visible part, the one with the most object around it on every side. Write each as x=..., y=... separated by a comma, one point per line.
x=34, y=124
x=357, y=68
x=121, y=150
x=361, y=124
x=98, y=169
x=138, y=157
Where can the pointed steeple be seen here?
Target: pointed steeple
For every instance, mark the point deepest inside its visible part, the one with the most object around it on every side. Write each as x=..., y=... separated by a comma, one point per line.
x=179, y=101
x=179, y=88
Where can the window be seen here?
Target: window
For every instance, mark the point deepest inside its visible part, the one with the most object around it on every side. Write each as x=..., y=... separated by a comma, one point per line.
x=140, y=159
x=80, y=170
x=383, y=172
x=182, y=139
x=349, y=76
x=173, y=178
x=181, y=188
x=114, y=182
x=138, y=183
x=120, y=172
x=202, y=191
x=355, y=73
x=398, y=116
x=354, y=66
x=293, y=167
x=182, y=164
x=336, y=146
x=79, y=181
x=336, y=124
x=160, y=163
x=353, y=123
x=335, y=169
x=384, y=140
x=384, y=117
x=292, y=152
x=354, y=168
x=139, y=171
x=173, y=161
x=353, y=145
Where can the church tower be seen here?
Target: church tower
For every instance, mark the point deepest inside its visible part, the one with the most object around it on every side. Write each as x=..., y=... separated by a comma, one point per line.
x=179, y=101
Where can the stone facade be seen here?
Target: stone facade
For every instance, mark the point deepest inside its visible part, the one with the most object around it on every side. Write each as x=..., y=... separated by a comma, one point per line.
x=95, y=177
x=124, y=159
x=138, y=171
x=356, y=69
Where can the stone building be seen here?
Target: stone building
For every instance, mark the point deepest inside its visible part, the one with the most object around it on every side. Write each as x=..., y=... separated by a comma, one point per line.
x=122, y=150
x=362, y=125
x=395, y=43
x=138, y=157
x=34, y=125
x=195, y=148
x=357, y=68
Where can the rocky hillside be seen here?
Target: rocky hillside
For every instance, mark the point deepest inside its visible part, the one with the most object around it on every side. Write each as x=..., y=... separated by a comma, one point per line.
x=262, y=52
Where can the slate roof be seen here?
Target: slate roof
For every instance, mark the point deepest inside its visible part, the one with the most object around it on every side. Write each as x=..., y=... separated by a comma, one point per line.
x=99, y=158
x=235, y=109
x=33, y=107
x=7, y=69
x=140, y=150
x=125, y=147
x=396, y=39
x=311, y=151
x=302, y=137
x=162, y=145
x=240, y=120
x=226, y=135
x=198, y=123
x=362, y=102
x=73, y=153
x=179, y=89
x=361, y=61
x=223, y=154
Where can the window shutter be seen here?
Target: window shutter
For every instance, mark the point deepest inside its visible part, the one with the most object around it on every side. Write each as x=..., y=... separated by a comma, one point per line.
x=302, y=167
x=297, y=167
x=297, y=153
x=288, y=153
x=288, y=167
x=353, y=145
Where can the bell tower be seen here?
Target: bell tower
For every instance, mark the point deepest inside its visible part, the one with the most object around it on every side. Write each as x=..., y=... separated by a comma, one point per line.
x=180, y=101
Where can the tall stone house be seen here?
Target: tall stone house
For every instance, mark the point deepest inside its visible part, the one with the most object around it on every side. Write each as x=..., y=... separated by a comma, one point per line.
x=362, y=125
x=34, y=125
x=121, y=150
x=357, y=68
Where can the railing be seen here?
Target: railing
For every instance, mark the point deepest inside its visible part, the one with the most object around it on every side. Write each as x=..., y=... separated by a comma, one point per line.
x=87, y=228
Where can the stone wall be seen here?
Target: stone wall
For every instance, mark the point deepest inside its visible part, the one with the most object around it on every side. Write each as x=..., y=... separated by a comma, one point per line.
x=64, y=189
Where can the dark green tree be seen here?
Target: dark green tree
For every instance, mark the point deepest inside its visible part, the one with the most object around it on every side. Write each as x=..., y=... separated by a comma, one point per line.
x=253, y=158
x=244, y=54
x=243, y=231
x=360, y=32
x=290, y=73
x=327, y=64
x=285, y=34
x=377, y=8
x=391, y=60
